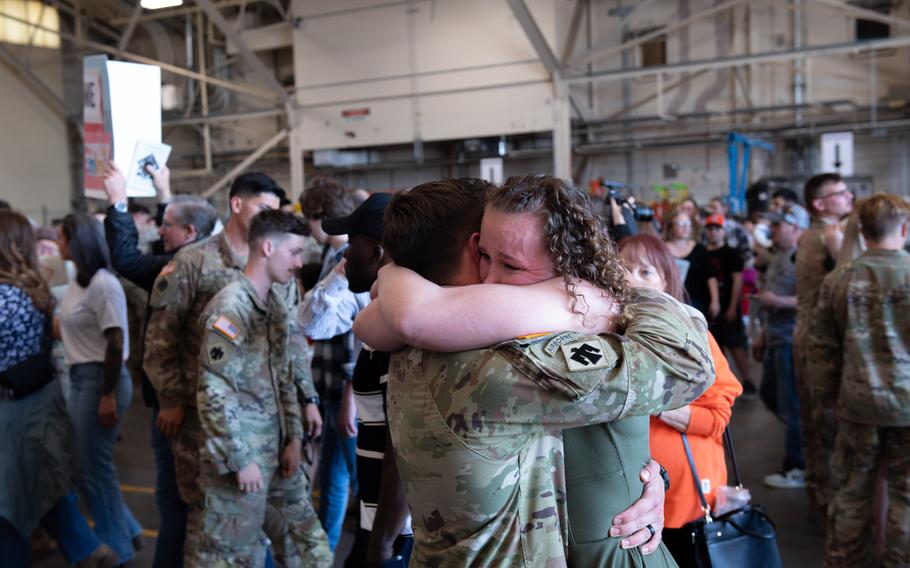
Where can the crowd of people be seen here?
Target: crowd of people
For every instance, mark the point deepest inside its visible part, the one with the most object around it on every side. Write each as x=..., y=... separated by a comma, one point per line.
x=495, y=374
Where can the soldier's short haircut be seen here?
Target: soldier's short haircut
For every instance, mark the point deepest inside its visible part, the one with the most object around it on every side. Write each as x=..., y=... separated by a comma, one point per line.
x=256, y=183
x=195, y=211
x=275, y=223
x=427, y=227
x=881, y=215
x=813, y=188
x=325, y=198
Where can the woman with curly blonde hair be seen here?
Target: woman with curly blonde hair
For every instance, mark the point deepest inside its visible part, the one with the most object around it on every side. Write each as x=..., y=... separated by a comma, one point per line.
x=36, y=464
x=547, y=264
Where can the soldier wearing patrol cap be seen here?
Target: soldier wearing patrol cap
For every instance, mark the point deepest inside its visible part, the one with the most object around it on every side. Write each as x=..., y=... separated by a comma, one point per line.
x=250, y=415
x=173, y=337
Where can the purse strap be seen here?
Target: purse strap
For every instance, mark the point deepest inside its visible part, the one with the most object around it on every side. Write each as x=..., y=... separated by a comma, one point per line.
x=701, y=495
x=728, y=445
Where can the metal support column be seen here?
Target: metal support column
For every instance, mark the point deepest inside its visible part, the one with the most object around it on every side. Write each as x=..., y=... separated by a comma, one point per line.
x=562, y=131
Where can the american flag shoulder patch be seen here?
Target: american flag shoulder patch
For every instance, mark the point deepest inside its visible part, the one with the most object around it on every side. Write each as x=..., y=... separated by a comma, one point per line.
x=225, y=327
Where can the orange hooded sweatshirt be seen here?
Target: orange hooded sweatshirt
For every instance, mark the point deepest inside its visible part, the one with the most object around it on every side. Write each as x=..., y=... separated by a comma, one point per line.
x=710, y=416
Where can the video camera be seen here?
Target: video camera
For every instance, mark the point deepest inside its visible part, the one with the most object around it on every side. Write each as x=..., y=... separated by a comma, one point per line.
x=639, y=212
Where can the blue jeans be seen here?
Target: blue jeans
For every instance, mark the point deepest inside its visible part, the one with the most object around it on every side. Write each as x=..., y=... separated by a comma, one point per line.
x=98, y=482
x=171, y=508
x=336, y=473
x=64, y=522
x=778, y=391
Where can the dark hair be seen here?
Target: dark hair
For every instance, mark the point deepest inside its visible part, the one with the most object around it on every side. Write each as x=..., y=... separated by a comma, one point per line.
x=19, y=262
x=786, y=193
x=659, y=256
x=4, y=205
x=195, y=211
x=272, y=222
x=87, y=248
x=880, y=214
x=325, y=198
x=574, y=232
x=256, y=183
x=814, y=186
x=427, y=227
x=135, y=208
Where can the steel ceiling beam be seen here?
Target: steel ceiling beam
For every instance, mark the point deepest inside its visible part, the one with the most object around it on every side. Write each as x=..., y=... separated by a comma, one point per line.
x=127, y=34
x=231, y=33
x=230, y=85
x=245, y=163
x=739, y=60
x=599, y=52
x=544, y=53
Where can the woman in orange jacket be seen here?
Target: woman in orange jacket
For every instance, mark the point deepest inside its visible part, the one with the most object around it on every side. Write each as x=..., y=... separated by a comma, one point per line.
x=651, y=265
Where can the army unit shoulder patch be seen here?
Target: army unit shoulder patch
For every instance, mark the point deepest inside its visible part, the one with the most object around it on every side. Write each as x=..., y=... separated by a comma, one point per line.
x=226, y=327
x=584, y=355
x=554, y=344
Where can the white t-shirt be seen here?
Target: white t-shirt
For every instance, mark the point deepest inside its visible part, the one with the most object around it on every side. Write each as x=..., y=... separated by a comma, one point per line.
x=86, y=312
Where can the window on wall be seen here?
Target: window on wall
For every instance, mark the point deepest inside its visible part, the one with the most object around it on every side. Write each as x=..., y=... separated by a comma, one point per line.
x=652, y=52
x=28, y=14
x=871, y=29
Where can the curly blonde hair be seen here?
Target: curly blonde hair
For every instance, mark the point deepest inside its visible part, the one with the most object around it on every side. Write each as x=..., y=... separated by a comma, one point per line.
x=575, y=233
x=19, y=260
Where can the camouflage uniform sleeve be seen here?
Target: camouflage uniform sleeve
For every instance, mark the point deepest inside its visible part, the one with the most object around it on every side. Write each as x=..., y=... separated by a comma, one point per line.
x=662, y=362
x=825, y=348
x=220, y=369
x=298, y=348
x=169, y=304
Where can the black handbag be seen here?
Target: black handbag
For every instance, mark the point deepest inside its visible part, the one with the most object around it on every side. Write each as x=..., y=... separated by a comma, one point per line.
x=32, y=374
x=742, y=538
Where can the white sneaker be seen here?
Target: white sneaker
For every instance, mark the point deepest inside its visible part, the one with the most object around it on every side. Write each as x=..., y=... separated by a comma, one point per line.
x=792, y=479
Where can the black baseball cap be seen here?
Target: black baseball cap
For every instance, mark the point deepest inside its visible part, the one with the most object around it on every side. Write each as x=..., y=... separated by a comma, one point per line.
x=365, y=220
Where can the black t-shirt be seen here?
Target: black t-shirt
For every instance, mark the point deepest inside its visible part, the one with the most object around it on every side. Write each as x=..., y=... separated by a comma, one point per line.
x=696, y=284
x=726, y=262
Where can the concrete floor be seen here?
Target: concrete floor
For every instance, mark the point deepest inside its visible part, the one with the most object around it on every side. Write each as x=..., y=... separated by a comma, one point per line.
x=758, y=436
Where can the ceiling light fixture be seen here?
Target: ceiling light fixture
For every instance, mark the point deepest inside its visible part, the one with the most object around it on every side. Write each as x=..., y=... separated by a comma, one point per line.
x=159, y=4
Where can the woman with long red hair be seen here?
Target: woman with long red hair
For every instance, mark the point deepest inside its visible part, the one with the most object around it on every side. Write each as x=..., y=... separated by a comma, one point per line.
x=650, y=264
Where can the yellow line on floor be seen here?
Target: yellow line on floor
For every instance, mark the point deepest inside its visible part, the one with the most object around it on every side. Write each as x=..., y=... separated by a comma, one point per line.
x=137, y=489
x=145, y=532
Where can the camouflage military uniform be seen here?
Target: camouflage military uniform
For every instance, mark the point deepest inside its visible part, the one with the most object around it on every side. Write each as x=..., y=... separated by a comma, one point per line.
x=817, y=429
x=174, y=334
x=861, y=342
x=249, y=410
x=478, y=439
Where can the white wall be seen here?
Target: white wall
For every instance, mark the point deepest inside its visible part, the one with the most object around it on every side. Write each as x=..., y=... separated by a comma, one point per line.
x=34, y=158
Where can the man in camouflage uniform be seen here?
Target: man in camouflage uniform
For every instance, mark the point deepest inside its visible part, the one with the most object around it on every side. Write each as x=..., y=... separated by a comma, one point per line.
x=477, y=433
x=250, y=415
x=828, y=201
x=861, y=341
x=174, y=333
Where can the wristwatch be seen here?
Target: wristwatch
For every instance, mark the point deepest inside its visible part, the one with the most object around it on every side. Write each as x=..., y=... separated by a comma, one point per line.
x=665, y=476
x=311, y=400
x=120, y=207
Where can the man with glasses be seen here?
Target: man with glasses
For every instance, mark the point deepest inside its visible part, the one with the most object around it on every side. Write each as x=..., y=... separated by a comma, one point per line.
x=828, y=201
